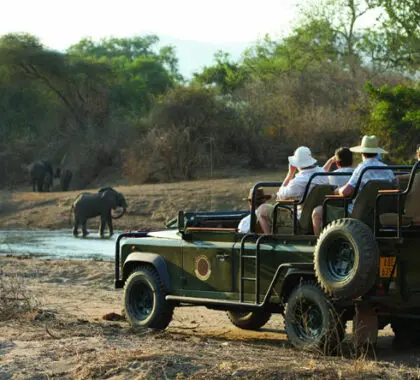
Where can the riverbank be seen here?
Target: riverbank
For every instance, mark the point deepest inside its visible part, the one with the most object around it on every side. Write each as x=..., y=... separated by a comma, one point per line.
x=149, y=206
x=68, y=335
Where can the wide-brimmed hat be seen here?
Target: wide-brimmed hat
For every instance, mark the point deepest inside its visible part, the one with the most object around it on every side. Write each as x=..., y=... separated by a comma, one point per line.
x=369, y=145
x=259, y=195
x=302, y=158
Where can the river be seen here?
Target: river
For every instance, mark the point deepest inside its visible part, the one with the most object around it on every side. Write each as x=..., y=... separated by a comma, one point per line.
x=57, y=244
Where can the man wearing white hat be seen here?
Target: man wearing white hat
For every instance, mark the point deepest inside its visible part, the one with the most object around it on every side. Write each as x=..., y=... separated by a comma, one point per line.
x=369, y=149
x=301, y=168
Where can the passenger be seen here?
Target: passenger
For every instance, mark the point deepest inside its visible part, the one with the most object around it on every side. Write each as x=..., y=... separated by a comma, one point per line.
x=343, y=158
x=301, y=168
x=260, y=198
x=369, y=150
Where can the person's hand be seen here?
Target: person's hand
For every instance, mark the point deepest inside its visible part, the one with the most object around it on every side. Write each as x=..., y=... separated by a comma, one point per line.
x=292, y=169
x=332, y=159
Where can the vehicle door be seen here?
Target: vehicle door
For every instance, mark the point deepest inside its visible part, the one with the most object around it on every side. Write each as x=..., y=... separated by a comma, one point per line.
x=207, y=261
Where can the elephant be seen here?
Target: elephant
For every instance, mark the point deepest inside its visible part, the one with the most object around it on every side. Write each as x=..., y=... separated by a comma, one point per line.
x=65, y=178
x=88, y=205
x=41, y=175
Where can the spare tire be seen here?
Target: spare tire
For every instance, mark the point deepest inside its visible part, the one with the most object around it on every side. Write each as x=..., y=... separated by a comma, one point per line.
x=346, y=258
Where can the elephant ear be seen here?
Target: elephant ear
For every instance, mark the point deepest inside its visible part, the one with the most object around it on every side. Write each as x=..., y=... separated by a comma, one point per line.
x=110, y=197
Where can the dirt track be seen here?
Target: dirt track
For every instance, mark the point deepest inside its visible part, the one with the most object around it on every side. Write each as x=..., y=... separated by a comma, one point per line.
x=67, y=338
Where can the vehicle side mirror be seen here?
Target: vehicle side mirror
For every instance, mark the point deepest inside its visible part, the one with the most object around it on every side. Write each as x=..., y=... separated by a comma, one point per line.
x=181, y=221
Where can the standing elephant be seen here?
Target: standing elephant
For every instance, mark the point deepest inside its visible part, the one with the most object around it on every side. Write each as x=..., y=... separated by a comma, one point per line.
x=65, y=178
x=41, y=175
x=88, y=205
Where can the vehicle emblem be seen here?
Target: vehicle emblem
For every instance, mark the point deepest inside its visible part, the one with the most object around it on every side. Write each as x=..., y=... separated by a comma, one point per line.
x=202, y=268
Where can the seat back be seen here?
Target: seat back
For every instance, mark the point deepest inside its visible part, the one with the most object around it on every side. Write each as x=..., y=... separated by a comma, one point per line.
x=412, y=203
x=315, y=198
x=365, y=201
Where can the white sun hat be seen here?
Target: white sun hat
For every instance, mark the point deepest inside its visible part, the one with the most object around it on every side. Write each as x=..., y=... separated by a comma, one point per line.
x=369, y=145
x=302, y=158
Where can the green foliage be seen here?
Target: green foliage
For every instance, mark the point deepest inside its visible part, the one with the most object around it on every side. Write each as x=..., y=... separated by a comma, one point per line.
x=401, y=27
x=139, y=72
x=225, y=74
x=395, y=118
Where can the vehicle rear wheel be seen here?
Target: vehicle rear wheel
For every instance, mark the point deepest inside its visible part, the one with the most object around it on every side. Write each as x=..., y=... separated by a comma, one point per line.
x=144, y=300
x=249, y=320
x=346, y=258
x=311, y=320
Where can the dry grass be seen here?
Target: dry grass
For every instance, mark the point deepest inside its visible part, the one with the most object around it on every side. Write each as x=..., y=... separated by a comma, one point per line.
x=15, y=297
x=68, y=338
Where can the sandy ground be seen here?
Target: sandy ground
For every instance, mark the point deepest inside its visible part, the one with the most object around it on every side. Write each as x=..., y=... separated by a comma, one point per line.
x=67, y=337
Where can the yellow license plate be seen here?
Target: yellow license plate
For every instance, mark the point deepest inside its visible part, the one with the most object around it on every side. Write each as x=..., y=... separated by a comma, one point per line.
x=386, y=265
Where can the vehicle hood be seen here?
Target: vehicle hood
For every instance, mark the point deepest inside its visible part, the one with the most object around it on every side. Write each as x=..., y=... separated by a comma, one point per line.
x=166, y=234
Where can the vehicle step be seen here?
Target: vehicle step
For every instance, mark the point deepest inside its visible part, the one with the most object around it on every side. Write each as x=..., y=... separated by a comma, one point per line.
x=248, y=257
x=249, y=278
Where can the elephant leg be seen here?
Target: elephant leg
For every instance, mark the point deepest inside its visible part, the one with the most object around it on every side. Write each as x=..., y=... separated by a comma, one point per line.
x=84, y=229
x=75, y=227
x=102, y=226
x=109, y=222
x=33, y=185
x=39, y=185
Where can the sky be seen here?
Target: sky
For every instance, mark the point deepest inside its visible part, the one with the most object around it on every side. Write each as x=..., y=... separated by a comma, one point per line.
x=61, y=23
x=197, y=28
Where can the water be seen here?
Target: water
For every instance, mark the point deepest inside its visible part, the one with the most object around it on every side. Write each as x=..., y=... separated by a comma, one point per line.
x=58, y=244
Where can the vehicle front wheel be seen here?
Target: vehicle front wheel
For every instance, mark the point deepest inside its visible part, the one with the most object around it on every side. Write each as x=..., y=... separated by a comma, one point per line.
x=311, y=320
x=249, y=320
x=144, y=300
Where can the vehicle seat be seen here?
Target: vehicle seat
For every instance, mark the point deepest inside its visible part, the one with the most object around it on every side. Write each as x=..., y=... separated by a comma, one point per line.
x=365, y=201
x=304, y=226
x=315, y=198
x=411, y=211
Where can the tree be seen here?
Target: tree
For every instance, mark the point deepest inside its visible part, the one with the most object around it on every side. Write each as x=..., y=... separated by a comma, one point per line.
x=394, y=117
x=225, y=73
x=401, y=25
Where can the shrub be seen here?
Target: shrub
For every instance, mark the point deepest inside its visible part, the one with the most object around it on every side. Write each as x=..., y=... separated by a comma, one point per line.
x=15, y=298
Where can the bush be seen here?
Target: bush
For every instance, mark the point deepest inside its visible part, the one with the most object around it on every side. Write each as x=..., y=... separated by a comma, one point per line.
x=15, y=298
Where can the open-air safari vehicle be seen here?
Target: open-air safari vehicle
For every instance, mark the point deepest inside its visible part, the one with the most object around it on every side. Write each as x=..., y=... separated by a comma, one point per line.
x=363, y=266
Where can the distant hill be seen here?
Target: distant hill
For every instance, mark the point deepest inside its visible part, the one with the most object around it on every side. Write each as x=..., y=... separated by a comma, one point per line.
x=194, y=55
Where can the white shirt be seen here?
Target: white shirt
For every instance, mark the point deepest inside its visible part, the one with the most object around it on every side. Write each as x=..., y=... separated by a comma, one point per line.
x=369, y=175
x=297, y=186
x=341, y=180
x=245, y=224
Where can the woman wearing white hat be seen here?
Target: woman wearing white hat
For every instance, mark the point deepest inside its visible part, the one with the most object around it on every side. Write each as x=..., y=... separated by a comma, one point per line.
x=301, y=168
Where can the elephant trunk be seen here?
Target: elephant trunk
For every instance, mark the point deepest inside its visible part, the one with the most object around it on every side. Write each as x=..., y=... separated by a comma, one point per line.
x=120, y=214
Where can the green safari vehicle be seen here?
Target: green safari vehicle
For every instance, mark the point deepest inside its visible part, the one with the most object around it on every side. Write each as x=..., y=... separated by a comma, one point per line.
x=363, y=267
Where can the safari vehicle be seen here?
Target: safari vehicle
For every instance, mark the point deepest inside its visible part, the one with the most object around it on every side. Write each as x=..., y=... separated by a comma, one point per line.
x=364, y=266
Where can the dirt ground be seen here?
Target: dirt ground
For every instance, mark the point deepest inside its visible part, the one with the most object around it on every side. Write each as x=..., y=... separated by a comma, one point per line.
x=149, y=206
x=65, y=336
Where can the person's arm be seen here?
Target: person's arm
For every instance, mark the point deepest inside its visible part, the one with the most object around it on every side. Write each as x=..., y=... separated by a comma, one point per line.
x=328, y=164
x=283, y=191
x=346, y=190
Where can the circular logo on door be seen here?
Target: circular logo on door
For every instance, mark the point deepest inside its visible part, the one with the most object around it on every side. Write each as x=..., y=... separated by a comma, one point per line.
x=202, y=268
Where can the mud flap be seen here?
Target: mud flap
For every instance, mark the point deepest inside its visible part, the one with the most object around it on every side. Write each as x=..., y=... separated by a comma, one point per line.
x=365, y=326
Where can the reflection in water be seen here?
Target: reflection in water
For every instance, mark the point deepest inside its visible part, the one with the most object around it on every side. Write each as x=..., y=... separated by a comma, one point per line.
x=59, y=244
